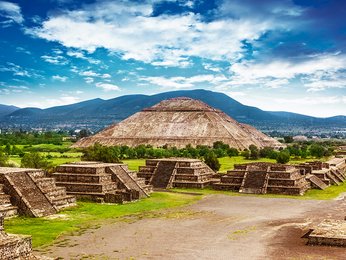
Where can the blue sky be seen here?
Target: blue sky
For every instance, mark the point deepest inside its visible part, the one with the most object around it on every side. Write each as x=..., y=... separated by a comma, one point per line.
x=277, y=55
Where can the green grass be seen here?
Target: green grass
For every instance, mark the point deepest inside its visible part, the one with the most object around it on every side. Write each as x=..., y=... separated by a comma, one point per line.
x=87, y=215
x=134, y=163
x=331, y=192
x=227, y=163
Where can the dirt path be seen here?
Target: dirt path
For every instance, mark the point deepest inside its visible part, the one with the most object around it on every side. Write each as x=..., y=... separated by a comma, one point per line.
x=217, y=227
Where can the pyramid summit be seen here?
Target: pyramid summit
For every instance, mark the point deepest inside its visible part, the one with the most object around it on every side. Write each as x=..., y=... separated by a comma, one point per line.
x=179, y=122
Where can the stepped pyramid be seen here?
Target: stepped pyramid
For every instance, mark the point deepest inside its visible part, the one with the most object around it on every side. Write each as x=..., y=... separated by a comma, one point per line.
x=31, y=193
x=261, y=178
x=179, y=122
x=176, y=172
x=101, y=182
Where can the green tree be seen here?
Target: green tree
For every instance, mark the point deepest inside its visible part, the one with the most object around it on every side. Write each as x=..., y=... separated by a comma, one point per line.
x=254, y=152
x=211, y=160
x=288, y=139
x=283, y=157
x=317, y=150
x=3, y=159
x=35, y=160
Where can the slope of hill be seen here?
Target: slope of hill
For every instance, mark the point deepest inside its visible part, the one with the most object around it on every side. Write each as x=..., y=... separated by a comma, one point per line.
x=6, y=110
x=98, y=113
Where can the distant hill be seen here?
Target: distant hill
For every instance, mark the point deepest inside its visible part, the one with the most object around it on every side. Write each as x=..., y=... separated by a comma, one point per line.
x=98, y=113
x=6, y=110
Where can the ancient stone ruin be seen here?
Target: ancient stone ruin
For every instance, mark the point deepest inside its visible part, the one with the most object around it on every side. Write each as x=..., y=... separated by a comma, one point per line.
x=29, y=192
x=328, y=233
x=179, y=122
x=262, y=178
x=323, y=174
x=101, y=182
x=176, y=172
x=14, y=246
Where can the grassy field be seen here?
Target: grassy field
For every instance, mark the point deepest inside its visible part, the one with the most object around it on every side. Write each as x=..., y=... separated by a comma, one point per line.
x=89, y=215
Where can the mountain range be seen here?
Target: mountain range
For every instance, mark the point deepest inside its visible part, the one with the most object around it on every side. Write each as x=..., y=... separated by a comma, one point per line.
x=97, y=113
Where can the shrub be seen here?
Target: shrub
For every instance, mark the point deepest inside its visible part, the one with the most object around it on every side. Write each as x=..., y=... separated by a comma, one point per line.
x=283, y=157
x=211, y=160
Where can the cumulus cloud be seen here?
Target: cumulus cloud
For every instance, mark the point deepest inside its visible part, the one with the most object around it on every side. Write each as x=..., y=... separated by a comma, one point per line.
x=185, y=82
x=90, y=73
x=11, y=13
x=57, y=59
x=59, y=78
x=316, y=72
x=162, y=40
x=81, y=55
x=107, y=86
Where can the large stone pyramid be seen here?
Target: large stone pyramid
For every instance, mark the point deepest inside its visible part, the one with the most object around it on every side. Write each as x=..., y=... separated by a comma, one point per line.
x=179, y=122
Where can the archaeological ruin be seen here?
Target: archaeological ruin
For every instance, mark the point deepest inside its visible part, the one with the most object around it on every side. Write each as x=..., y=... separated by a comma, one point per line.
x=30, y=192
x=101, y=182
x=176, y=172
x=262, y=178
x=328, y=233
x=179, y=122
x=14, y=246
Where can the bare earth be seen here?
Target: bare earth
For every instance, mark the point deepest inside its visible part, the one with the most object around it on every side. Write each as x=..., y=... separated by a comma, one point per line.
x=217, y=227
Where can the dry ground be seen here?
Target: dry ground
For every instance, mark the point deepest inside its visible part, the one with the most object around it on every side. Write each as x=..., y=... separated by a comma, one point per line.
x=217, y=227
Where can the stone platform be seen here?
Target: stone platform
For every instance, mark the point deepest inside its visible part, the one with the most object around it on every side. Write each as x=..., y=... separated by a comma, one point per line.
x=101, y=182
x=14, y=247
x=261, y=178
x=328, y=233
x=176, y=172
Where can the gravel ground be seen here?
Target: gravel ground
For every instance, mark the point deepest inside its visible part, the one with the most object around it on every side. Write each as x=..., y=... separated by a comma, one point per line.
x=217, y=227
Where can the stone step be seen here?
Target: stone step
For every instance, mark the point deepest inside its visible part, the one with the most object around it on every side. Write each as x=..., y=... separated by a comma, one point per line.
x=85, y=178
x=4, y=198
x=64, y=201
x=56, y=192
x=81, y=169
x=8, y=210
x=45, y=183
x=87, y=187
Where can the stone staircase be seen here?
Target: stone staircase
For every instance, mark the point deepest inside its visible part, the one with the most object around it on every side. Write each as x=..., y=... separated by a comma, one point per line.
x=255, y=182
x=31, y=192
x=27, y=196
x=56, y=195
x=316, y=182
x=163, y=175
x=6, y=207
x=130, y=181
x=176, y=172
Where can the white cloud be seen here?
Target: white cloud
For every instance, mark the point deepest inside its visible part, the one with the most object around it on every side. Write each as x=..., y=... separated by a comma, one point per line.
x=16, y=70
x=57, y=60
x=59, y=78
x=162, y=40
x=107, y=86
x=184, y=82
x=316, y=72
x=60, y=101
x=81, y=55
x=89, y=80
x=90, y=73
x=11, y=12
